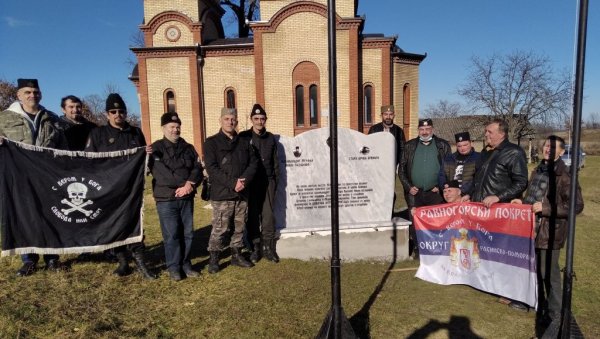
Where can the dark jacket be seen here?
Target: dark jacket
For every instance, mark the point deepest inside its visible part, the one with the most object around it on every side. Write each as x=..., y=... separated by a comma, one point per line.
x=408, y=155
x=226, y=161
x=265, y=149
x=77, y=133
x=501, y=172
x=398, y=134
x=110, y=139
x=448, y=170
x=172, y=165
x=555, y=209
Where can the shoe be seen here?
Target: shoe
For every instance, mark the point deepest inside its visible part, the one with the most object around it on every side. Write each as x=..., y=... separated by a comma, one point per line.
x=517, y=305
x=175, y=275
x=84, y=257
x=256, y=252
x=237, y=259
x=213, y=262
x=190, y=272
x=54, y=265
x=269, y=251
x=28, y=268
x=141, y=266
x=123, y=269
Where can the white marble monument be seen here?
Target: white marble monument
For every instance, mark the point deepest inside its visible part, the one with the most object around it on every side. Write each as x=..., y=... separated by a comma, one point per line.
x=366, y=177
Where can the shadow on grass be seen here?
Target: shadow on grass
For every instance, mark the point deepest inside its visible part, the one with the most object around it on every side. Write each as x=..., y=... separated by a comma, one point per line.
x=155, y=254
x=360, y=321
x=457, y=327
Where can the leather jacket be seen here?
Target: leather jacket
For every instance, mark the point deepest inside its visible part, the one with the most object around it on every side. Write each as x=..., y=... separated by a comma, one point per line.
x=553, y=224
x=501, y=172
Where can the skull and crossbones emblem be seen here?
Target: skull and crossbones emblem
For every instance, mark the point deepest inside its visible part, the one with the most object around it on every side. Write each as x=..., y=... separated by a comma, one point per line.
x=77, y=194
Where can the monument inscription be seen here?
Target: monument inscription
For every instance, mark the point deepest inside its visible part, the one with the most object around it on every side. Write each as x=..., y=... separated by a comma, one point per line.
x=366, y=178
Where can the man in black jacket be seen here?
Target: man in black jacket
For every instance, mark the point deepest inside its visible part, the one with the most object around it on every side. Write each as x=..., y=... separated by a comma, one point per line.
x=261, y=221
x=176, y=171
x=387, y=125
x=502, y=170
x=76, y=127
x=118, y=135
x=419, y=170
x=231, y=164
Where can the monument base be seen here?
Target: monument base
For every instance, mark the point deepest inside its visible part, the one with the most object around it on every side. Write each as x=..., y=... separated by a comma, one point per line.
x=383, y=241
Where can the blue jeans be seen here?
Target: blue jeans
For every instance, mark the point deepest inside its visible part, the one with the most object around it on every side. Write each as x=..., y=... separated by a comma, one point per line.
x=34, y=257
x=177, y=226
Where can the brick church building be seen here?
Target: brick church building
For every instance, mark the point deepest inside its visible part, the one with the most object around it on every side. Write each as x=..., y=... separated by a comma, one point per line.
x=188, y=66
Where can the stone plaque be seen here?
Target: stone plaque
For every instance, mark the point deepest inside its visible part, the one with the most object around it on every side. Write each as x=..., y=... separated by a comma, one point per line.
x=366, y=177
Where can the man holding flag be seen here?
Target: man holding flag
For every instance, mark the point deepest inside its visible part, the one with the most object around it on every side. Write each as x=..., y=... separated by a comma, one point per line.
x=29, y=122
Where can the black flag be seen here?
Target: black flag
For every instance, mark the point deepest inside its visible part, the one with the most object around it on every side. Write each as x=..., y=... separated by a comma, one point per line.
x=55, y=202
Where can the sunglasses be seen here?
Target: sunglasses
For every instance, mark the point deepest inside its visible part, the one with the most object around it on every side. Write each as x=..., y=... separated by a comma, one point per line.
x=117, y=111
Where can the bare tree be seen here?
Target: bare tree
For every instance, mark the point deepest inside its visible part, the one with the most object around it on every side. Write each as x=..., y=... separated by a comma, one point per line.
x=243, y=11
x=8, y=94
x=520, y=88
x=443, y=109
x=93, y=109
x=594, y=120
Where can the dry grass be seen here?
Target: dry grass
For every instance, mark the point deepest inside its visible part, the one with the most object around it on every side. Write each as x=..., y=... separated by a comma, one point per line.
x=287, y=300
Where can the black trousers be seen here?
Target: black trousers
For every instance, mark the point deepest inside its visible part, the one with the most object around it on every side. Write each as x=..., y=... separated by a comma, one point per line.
x=422, y=198
x=261, y=221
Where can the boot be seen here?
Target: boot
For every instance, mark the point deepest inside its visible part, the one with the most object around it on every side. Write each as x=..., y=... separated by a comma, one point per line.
x=123, y=268
x=237, y=259
x=141, y=266
x=213, y=262
x=269, y=251
x=256, y=251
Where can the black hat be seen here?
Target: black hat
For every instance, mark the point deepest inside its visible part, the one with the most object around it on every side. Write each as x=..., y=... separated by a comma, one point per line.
x=169, y=117
x=425, y=122
x=258, y=110
x=453, y=184
x=33, y=83
x=463, y=136
x=114, y=101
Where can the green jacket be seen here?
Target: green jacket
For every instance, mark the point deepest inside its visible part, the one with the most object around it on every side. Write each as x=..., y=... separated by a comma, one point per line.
x=44, y=131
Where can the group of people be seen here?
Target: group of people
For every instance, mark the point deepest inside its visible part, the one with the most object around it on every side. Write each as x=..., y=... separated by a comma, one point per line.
x=243, y=172
x=239, y=166
x=431, y=175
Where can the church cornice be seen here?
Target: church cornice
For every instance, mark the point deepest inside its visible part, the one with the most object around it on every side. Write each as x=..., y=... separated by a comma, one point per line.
x=158, y=52
x=302, y=7
x=378, y=43
x=408, y=58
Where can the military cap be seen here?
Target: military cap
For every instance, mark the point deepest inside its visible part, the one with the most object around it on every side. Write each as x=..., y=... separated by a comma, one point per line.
x=425, y=122
x=227, y=111
x=258, y=110
x=387, y=109
x=33, y=83
x=453, y=184
x=169, y=117
x=463, y=136
x=114, y=101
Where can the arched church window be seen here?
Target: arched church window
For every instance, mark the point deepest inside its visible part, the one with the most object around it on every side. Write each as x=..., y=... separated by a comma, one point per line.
x=169, y=101
x=368, y=104
x=299, y=94
x=307, y=112
x=230, y=98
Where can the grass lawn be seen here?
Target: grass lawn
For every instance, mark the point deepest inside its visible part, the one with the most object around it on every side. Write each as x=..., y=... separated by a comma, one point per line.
x=285, y=300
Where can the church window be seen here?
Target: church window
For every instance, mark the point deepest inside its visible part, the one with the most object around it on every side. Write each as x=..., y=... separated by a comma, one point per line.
x=169, y=100
x=307, y=112
x=368, y=104
x=230, y=98
x=299, y=106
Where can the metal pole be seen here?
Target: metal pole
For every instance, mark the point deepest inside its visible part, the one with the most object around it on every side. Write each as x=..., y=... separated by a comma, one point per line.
x=336, y=325
x=578, y=97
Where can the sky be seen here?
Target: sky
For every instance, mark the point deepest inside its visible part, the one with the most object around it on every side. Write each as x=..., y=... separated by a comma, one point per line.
x=81, y=47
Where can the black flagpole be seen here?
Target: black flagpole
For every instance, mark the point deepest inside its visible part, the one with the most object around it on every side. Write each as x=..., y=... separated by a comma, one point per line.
x=336, y=325
x=567, y=317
